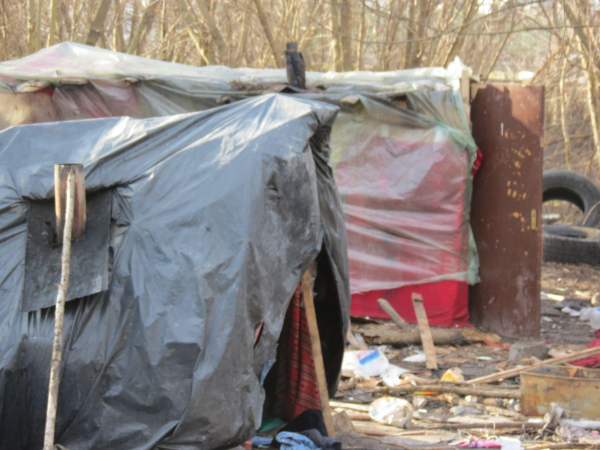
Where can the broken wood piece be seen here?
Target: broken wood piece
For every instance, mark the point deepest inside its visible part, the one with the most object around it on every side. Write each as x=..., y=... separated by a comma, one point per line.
x=388, y=335
x=460, y=390
x=349, y=406
x=390, y=311
x=61, y=172
x=315, y=341
x=377, y=429
x=355, y=342
x=425, y=331
x=547, y=362
x=59, y=312
x=491, y=409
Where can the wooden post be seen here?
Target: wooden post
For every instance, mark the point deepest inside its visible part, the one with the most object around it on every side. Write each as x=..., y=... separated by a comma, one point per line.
x=295, y=66
x=61, y=171
x=70, y=188
x=315, y=341
x=425, y=331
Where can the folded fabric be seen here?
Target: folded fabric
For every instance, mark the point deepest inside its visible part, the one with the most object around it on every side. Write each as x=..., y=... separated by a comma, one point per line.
x=322, y=441
x=295, y=441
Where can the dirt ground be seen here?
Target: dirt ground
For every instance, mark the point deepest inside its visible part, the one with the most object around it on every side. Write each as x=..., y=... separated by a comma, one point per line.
x=578, y=284
x=575, y=286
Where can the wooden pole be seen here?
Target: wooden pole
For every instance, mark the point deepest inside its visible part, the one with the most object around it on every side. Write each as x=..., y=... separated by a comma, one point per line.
x=59, y=312
x=315, y=341
x=390, y=311
x=547, y=362
x=61, y=171
x=425, y=331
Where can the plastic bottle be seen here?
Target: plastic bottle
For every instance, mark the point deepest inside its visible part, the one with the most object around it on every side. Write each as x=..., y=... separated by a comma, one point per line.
x=595, y=319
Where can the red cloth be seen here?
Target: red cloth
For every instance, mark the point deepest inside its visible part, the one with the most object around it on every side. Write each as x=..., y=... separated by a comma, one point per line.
x=590, y=361
x=297, y=388
x=446, y=303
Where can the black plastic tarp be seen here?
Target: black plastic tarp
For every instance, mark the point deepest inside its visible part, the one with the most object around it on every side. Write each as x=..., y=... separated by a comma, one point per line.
x=214, y=218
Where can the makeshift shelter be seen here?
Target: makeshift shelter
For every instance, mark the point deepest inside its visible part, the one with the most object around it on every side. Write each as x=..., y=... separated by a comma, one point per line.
x=402, y=152
x=202, y=227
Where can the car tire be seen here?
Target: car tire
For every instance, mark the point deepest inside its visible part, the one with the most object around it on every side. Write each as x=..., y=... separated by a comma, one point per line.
x=574, y=188
x=571, y=244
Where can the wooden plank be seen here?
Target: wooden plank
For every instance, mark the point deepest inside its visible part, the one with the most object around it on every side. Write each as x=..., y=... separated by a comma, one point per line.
x=425, y=331
x=315, y=340
x=547, y=362
x=61, y=172
x=390, y=311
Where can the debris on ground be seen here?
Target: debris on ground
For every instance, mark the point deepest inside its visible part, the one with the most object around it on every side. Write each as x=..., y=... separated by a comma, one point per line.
x=487, y=392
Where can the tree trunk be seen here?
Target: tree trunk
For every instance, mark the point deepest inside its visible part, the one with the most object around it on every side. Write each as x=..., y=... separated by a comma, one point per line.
x=334, y=15
x=204, y=52
x=33, y=44
x=563, y=113
x=346, y=35
x=144, y=25
x=410, y=34
x=53, y=24
x=97, y=26
x=591, y=84
x=470, y=11
x=361, y=44
x=217, y=38
x=277, y=52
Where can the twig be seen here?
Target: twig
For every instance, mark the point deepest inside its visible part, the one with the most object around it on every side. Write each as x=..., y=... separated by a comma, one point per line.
x=59, y=317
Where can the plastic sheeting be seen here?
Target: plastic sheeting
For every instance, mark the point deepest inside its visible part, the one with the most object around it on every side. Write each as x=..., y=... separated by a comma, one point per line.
x=402, y=149
x=215, y=216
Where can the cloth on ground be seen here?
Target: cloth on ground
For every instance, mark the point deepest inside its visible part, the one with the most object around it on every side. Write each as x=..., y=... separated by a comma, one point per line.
x=295, y=441
x=590, y=361
x=322, y=441
x=310, y=419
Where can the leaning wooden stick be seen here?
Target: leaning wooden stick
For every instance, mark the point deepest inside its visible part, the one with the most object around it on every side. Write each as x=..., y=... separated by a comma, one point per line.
x=315, y=340
x=390, y=311
x=425, y=331
x=59, y=315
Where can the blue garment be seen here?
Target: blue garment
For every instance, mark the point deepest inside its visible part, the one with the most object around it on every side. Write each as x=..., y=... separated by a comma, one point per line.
x=295, y=441
x=259, y=441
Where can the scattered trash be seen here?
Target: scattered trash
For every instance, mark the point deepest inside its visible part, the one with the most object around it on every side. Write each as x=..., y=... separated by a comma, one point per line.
x=509, y=443
x=420, y=402
x=454, y=375
x=364, y=364
x=570, y=311
x=479, y=443
x=391, y=411
x=391, y=376
x=595, y=319
x=417, y=358
x=465, y=411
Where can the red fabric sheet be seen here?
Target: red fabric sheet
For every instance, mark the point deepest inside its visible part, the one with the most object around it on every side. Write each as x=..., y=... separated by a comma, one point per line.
x=446, y=303
x=297, y=389
x=590, y=361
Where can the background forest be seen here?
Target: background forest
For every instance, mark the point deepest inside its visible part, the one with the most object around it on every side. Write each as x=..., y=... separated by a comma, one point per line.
x=554, y=43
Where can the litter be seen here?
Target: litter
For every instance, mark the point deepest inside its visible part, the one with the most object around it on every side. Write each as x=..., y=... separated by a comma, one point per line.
x=391, y=376
x=453, y=375
x=416, y=358
x=391, y=411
